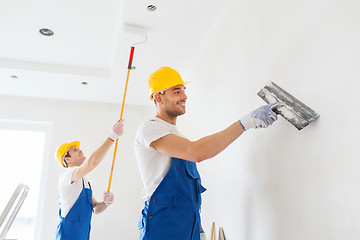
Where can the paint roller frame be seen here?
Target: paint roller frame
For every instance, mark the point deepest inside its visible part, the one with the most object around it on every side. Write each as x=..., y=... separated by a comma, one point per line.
x=293, y=110
x=129, y=67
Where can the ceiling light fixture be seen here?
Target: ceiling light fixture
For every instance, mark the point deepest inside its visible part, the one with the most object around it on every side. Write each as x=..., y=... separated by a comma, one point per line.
x=46, y=32
x=151, y=8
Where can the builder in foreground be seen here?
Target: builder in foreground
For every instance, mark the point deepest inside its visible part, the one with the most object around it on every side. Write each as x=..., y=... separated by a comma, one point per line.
x=167, y=161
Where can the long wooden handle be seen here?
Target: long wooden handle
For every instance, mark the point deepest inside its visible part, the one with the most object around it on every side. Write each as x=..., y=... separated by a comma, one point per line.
x=213, y=231
x=121, y=114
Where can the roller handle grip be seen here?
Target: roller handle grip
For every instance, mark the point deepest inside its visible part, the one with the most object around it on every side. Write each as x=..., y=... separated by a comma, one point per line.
x=131, y=57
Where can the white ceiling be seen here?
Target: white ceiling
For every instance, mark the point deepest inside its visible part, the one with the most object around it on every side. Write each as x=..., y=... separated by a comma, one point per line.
x=92, y=42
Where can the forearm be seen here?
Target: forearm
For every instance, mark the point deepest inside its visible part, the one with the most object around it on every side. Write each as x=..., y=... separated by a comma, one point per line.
x=99, y=154
x=99, y=207
x=209, y=146
x=92, y=162
x=200, y=150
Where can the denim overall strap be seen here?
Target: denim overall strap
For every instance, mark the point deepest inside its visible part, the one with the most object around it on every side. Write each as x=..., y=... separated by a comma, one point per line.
x=77, y=223
x=173, y=211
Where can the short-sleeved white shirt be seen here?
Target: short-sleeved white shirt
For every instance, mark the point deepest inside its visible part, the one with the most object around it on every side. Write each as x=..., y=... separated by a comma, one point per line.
x=69, y=193
x=153, y=165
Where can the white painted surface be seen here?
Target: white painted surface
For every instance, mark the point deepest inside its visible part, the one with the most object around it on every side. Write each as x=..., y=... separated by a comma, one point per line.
x=281, y=183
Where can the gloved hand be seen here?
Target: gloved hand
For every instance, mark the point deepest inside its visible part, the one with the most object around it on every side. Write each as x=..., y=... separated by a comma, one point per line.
x=108, y=198
x=117, y=130
x=261, y=117
x=203, y=236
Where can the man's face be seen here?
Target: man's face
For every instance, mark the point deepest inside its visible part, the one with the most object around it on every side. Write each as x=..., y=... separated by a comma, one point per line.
x=174, y=100
x=76, y=156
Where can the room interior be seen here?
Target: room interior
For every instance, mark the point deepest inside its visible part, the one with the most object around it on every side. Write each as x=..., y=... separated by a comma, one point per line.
x=278, y=183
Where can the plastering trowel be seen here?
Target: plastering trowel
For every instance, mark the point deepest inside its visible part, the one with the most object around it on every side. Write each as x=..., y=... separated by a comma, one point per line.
x=294, y=111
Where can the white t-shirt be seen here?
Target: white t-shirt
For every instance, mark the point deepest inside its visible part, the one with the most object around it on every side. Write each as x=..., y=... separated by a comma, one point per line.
x=153, y=165
x=69, y=193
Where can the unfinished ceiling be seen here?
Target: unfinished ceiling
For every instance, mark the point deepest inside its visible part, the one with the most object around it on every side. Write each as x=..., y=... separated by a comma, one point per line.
x=87, y=57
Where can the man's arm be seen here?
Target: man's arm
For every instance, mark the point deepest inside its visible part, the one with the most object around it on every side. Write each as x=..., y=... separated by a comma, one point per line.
x=93, y=161
x=101, y=206
x=97, y=156
x=98, y=206
x=208, y=147
x=200, y=150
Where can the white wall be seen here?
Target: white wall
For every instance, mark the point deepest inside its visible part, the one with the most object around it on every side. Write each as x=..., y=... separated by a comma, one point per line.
x=281, y=183
x=89, y=123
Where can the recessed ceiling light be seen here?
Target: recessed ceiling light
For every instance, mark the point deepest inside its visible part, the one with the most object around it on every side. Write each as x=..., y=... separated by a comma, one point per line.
x=151, y=7
x=46, y=32
x=84, y=83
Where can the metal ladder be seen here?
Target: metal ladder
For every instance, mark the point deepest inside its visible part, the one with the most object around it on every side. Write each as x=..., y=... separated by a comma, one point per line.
x=20, y=188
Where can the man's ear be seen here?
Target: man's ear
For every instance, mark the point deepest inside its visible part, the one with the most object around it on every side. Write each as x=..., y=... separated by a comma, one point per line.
x=67, y=160
x=157, y=98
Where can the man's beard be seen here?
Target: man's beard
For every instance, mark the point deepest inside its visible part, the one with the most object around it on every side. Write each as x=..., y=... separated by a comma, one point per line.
x=175, y=113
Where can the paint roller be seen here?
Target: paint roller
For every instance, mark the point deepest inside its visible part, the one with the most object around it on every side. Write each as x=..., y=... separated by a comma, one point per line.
x=293, y=110
x=130, y=67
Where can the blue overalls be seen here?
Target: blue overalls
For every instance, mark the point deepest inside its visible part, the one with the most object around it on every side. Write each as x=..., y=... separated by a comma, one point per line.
x=77, y=223
x=173, y=211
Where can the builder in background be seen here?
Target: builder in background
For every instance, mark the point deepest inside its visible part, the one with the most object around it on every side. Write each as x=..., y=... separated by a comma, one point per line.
x=167, y=161
x=75, y=195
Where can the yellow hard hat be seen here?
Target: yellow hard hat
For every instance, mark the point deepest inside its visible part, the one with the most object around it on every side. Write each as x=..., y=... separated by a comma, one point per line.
x=60, y=152
x=162, y=79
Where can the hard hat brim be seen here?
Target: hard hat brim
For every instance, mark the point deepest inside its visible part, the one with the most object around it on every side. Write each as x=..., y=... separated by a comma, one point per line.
x=151, y=97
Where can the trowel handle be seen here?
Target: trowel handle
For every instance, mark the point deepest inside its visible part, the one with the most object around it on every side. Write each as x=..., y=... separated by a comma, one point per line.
x=276, y=106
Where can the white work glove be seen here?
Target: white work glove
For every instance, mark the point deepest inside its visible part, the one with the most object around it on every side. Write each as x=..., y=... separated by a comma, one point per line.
x=117, y=130
x=203, y=236
x=108, y=198
x=261, y=117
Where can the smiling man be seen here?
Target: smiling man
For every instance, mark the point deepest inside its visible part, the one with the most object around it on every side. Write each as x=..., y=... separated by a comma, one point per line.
x=167, y=160
x=75, y=195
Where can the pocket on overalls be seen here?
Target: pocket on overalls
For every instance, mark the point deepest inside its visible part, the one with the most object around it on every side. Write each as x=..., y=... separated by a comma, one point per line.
x=157, y=218
x=192, y=172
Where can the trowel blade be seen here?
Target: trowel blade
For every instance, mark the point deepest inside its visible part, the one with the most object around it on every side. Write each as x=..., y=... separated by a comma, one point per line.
x=294, y=111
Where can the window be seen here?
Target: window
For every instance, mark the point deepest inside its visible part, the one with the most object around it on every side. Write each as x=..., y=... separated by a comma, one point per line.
x=22, y=150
